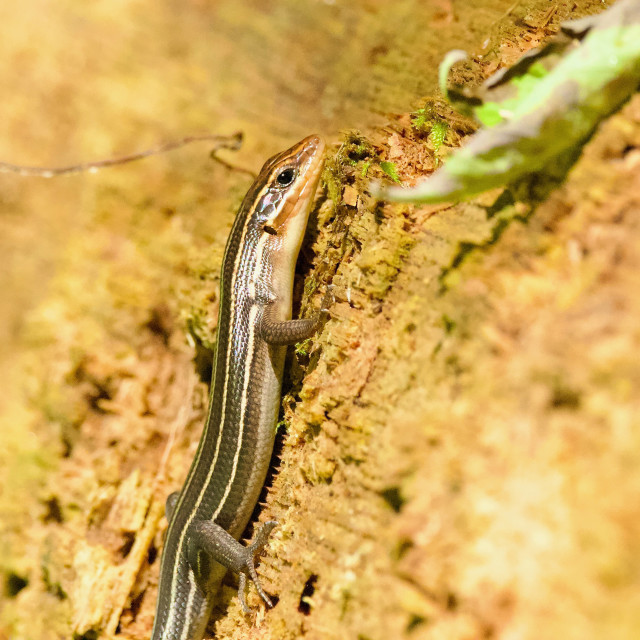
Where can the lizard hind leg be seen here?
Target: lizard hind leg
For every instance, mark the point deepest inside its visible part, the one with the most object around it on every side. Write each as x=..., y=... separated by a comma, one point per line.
x=207, y=541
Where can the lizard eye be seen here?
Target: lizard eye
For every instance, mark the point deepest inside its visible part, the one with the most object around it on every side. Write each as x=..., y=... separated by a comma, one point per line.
x=286, y=177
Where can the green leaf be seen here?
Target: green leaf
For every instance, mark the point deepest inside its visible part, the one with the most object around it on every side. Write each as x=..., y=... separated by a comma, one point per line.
x=543, y=127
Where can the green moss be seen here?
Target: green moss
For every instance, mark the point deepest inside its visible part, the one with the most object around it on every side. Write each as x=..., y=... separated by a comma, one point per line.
x=355, y=149
x=198, y=297
x=391, y=170
x=333, y=178
x=422, y=119
x=303, y=348
x=438, y=135
x=385, y=246
x=198, y=328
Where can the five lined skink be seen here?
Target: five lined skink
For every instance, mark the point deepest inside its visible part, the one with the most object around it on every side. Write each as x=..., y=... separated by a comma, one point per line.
x=210, y=513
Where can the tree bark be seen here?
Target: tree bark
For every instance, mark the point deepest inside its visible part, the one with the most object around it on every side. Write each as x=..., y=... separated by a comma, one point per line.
x=460, y=451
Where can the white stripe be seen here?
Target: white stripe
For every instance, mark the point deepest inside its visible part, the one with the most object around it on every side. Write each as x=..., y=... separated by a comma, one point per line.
x=252, y=316
x=232, y=294
x=248, y=367
x=187, y=615
x=252, y=329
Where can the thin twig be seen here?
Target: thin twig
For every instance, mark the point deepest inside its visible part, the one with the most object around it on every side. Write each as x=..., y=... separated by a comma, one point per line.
x=231, y=167
x=231, y=142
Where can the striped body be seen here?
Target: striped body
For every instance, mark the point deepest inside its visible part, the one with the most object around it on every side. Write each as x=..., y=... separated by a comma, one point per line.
x=233, y=456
